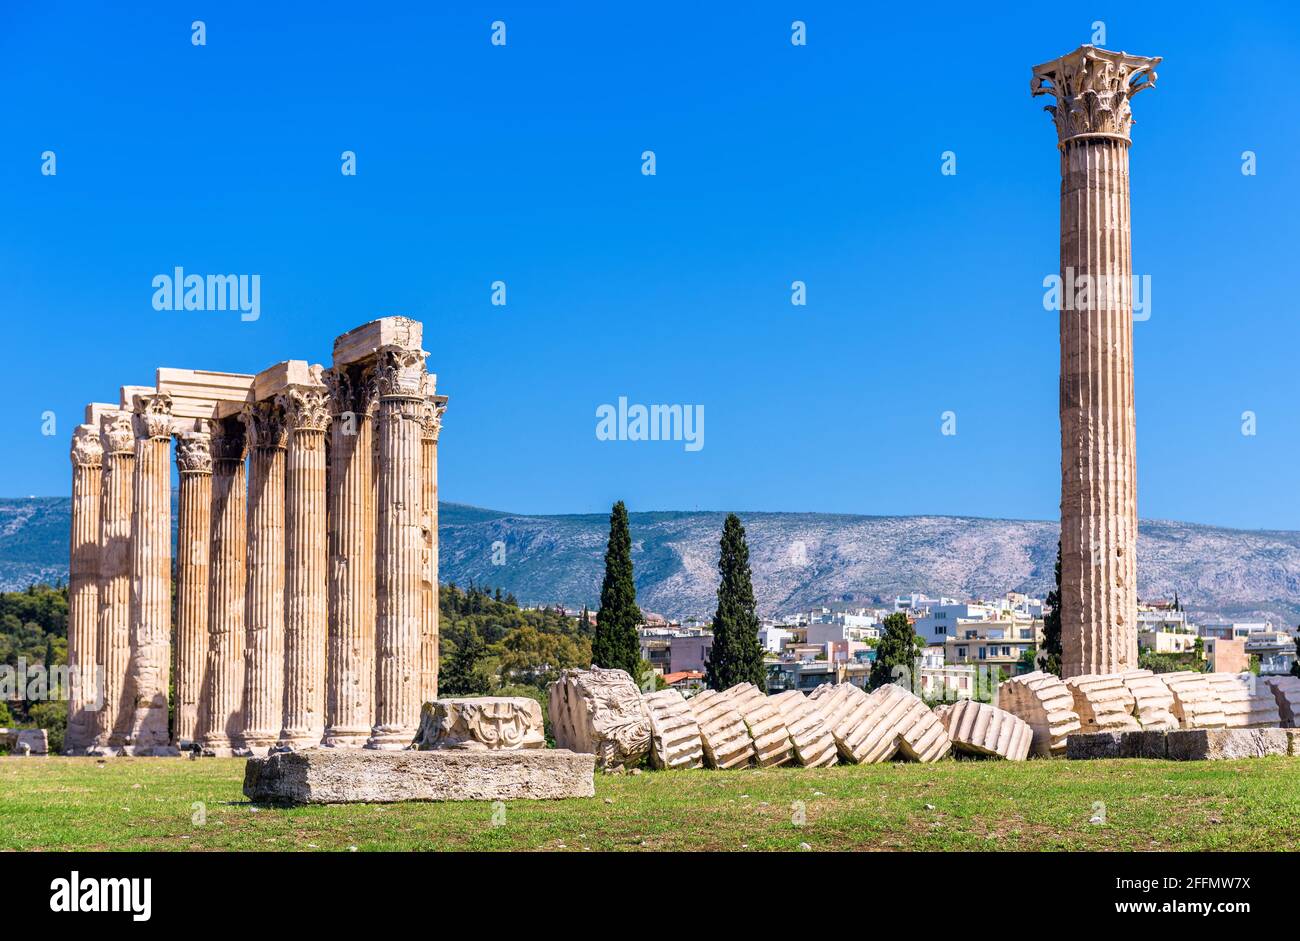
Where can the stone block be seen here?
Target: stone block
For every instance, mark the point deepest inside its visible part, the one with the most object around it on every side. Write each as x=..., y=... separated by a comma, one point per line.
x=674, y=734
x=723, y=733
x=481, y=723
x=1286, y=692
x=845, y=711
x=1247, y=703
x=1293, y=741
x=887, y=723
x=1047, y=704
x=1149, y=743
x=1103, y=703
x=1153, y=703
x=767, y=729
x=1085, y=746
x=345, y=775
x=25, y=742
x=977, y=728
x=1196, y=704
x=600, y=712
x=814, y=745
x=1226, y=744
x=366, y=340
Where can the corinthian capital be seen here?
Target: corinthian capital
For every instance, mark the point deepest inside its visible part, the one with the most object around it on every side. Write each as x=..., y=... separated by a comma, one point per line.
x=400, y=372
x=153, y=415
x=431, y=416
x=117, y=434
x=194, y=453
x=306, y=408
x=1092, y=88
x=227, y=442
x=87, y=449
x=264, y=425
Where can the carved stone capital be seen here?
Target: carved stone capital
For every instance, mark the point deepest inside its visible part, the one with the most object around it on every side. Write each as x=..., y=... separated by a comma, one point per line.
x=227, y=441
x=153, y=415
x=87, y=448
x=400, y=372
x=431, y=412
x=194, y=453
x=1092, y=88
x=306, y=408
x=264, y=425
x=117, y=433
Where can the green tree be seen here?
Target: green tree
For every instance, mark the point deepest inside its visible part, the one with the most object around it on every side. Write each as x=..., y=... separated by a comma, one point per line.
x=736, y=656
x=463, y=677
x=899, y=649
x=532, y=657
x=1052, y=623
x=616, y=645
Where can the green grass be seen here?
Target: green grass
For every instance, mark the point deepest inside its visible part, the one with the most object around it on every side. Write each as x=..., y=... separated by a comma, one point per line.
x=150, y=804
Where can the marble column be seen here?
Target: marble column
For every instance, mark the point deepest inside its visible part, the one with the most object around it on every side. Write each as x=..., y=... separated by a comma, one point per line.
x=264, y=609
x=1092, y=88
x=193, y=535
x=401, y=569
x=430, y=425
x=350, y=524
x=149, y=669
x=113, y=631
x=221, y=722
x=307, y=417
x=84, y=693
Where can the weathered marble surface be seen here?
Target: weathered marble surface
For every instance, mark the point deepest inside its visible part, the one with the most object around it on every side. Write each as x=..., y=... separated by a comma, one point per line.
x=980, y=729
x=674, y=733
x=600, y=712
x=341, y=775
x=484, y=723
x=1047, y=704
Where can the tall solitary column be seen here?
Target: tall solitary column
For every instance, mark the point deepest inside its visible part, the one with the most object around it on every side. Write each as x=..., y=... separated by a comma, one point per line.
x=83, y=589
x=113, y=633
x=400, y=548
x=307, y=417
x=1092, y=88
x=221, y=721
x=430, y=426
x=264, y=610
x=350, y=649
x=193, y=535
x=149, y=669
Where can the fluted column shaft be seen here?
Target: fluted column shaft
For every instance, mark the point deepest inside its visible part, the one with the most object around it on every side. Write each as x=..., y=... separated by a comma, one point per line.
x=85, y=698
x=113, y=633
x=430, y=426
x=193, y=536
x=305, y=592
x=350, y=651
x=151, y=568
x=1093, y=88
x=221, y=718
x=264, y=612
x=400, y=550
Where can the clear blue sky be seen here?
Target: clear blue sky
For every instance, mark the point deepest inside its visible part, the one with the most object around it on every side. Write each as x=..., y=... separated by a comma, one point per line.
x=775, y=163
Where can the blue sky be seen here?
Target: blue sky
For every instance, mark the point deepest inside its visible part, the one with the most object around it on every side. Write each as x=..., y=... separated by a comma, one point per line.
x=774, y=163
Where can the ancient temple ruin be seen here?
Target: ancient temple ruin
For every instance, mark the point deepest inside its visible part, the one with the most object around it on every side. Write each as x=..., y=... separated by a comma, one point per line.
x=306, y=591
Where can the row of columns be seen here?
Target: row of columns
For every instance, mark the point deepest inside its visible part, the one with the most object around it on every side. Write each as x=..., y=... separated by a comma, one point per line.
x=306, y=567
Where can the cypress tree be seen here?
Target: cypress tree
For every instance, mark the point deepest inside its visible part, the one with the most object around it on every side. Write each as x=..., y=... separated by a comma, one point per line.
x=1052, y=624
x=899, y=647
x=616, y=645
x=736, y=656
x=461, y=678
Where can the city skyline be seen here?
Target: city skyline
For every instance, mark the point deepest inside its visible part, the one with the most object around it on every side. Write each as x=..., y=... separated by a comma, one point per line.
x=775, y=163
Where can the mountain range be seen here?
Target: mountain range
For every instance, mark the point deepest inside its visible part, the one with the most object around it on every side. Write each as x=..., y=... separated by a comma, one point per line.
x=799, y=560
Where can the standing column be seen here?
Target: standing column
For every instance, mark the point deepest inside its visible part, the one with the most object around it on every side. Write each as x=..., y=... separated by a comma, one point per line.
x=350, y=651
x=221, y=721
x=193, y=534
x=399, y=548
x=85, y=694
x=264, y=611
x=305, y=596
x=113, y=633
x=430, y=426
x=151, y=578
x=1092, y=88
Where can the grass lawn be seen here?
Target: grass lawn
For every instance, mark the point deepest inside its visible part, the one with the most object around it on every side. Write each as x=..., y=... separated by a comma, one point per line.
x=178, y=804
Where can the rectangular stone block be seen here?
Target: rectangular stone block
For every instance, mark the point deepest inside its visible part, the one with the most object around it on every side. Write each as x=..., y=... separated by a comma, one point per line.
x=1085, y=746
x=1149, y=743
x=364, y=341
x=1293, y=741
x=1225, y=744
x=343, y=776
x=196, y=393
